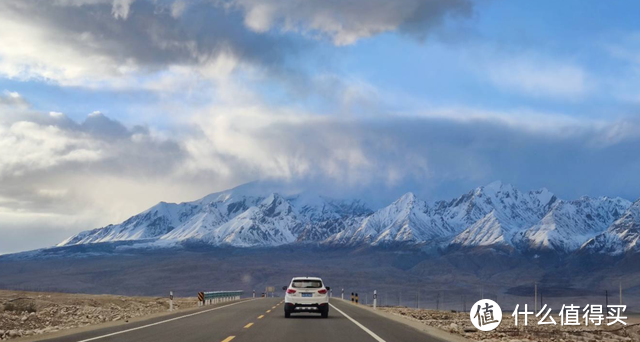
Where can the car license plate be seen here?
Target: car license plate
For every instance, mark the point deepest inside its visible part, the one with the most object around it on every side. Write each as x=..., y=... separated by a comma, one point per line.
x=307, y=295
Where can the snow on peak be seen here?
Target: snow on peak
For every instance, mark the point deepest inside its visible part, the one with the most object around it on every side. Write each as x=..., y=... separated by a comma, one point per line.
x=488, y=231
x=497, y=186
x=275, y=205
x=621, y=236
x=543, y=196
x=407, y=199
x=494, y=214
x=405, y=220
x=569, y=224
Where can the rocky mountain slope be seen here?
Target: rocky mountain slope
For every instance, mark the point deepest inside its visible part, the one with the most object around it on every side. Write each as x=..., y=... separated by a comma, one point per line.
x=569, y=224
x=495, y=215
x=621, y=237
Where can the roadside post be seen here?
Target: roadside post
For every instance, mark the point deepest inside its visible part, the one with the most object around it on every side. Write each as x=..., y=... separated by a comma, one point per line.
x=375, y=299
x=170, y=300
x=200, y=298
x=254, y=293
x=342, y=295
x=356, y=298
x=352, y=297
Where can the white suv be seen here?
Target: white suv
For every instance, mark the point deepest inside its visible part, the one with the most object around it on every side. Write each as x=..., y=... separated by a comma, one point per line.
x=306, y=294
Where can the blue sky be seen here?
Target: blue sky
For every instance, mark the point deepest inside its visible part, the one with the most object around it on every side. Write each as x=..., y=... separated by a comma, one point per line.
x=443, y=68
x=109, y=106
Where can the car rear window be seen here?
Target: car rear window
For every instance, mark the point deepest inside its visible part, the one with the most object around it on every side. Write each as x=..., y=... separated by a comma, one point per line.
x=306, y=284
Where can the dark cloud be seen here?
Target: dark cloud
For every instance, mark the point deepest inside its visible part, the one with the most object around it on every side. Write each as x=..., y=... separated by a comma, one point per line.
x=97, y=124
x=86, y=41
x=12, y=99
x=345, y=22
x=440, y=157
x=430, y=14
x=150, y=37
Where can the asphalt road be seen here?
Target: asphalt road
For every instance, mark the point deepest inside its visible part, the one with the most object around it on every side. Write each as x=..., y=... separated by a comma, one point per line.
x=259, y=320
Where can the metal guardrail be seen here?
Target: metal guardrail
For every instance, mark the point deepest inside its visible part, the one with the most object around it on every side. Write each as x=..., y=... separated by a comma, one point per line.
x=213, y=297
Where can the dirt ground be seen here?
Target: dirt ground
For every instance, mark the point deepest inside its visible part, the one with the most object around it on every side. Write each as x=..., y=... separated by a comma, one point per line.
x=459, y=323
x=34, y=313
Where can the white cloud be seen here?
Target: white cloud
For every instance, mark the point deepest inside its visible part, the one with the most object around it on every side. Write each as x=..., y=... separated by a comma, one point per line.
x=53, y=193
x=540, y=77
x=624, y=48
x=26, y=53
x=27, y=146
x=121, y=8
x=260, y=17
x=345, y=22
x=177, y=8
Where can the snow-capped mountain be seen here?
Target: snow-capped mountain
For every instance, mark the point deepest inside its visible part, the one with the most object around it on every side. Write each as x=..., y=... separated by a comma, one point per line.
x=155, y=222
x=411, y=220
x=325, y=217
x=271, y=223
x=210, y=213
x=569, y=224
x=621, y=237
x=493, y=215
x=405, y=220
x=517, y=207
x=491, y=230
x=235, y=217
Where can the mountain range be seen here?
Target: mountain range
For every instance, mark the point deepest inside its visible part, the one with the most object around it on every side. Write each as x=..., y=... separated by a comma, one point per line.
x=495, y=216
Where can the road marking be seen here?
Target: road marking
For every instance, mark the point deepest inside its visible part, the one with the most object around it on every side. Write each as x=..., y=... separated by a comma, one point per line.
x=268, y=311
x=260, y=317
x=248, y=325
x=376, y=337
x=228, y=339
x=165, y=321
x=273, y=307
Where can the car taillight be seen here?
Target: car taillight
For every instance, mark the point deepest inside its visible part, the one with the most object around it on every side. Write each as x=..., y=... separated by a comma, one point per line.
x=323, y=291
x=290, y=291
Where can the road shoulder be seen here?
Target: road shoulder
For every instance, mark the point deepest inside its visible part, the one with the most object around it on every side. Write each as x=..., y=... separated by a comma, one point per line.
x=131, y=323
x=430, y=331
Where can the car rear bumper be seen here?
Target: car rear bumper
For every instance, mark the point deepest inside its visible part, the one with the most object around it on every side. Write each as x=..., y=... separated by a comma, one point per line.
x=302, y=307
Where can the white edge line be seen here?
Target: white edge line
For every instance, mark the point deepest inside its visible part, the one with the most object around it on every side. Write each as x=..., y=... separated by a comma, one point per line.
x=165, y=321
x=378, y=338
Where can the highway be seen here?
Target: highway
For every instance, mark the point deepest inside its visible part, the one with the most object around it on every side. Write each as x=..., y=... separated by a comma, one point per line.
x=261, y=320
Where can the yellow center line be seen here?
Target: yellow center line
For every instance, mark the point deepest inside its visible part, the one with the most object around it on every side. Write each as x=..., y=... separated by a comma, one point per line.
x=260, y=317
x=248, y=325
x=228, y=339
x=268, y=311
